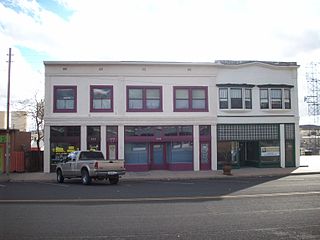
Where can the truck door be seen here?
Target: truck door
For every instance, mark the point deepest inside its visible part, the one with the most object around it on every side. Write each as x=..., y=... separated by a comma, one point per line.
x=69, y=166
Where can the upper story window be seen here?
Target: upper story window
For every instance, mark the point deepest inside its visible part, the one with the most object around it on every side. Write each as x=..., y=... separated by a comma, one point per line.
x=287, y=98
x=264, y=99
x=276, y=98
x=235, y=96
x=272, y=97
x=101, y=98
x=65, y=99
x=190, y=99
x=223, y=98
x=144, y=99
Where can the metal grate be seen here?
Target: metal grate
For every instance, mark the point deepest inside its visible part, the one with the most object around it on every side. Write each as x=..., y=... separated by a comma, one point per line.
x=247, y=132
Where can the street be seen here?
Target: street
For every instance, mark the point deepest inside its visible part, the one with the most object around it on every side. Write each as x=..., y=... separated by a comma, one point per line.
x=229, y=208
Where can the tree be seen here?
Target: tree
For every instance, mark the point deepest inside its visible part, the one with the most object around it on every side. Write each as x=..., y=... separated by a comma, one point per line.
x=34, y=108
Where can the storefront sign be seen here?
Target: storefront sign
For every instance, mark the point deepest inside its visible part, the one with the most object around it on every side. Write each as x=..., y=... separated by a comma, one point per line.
x=270, y=151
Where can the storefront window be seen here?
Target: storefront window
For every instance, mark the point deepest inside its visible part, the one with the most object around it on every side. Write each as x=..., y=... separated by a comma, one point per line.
x=185, y=131
x=139, y=131
x=93, y=137
x=170, y=131
x=205, y=130
x=136, y=153
x=63, y=140
x=180, y=152
x=112, y=132
x=269, y=153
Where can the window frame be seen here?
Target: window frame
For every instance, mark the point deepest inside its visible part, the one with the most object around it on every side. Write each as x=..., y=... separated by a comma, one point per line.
x=92, y=109
x=273, y=100
x=223, y=99
x=233, y=98
x=248, y=100
x=267, y=98
x=229, y=98
x=144, y=99
x=191, y=99
x=283, y=98
x=55, y=99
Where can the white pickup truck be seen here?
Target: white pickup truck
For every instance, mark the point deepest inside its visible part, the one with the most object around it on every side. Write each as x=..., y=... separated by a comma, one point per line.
x=89, y=165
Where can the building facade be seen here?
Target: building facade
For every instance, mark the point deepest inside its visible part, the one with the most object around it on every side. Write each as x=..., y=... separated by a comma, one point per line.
x=174, y=116
x=18, y=120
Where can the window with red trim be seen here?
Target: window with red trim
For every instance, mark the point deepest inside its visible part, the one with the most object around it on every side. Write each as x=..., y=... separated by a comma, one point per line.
x=190, y=99
x=144, y=99
x=101, y=98
x=65, y=98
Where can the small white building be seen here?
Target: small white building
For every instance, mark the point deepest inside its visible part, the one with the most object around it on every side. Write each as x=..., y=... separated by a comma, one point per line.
x=174, y=116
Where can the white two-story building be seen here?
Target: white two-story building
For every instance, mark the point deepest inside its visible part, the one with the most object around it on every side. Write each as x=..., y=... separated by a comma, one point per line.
x=174, y=116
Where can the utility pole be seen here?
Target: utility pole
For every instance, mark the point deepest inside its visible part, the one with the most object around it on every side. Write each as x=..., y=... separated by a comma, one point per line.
x=8, y=117
x=313, y=100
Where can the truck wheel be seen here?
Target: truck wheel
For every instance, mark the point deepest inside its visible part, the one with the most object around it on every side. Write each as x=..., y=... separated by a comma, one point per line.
x=114, y=180
x=60, y=178
x=85, y=178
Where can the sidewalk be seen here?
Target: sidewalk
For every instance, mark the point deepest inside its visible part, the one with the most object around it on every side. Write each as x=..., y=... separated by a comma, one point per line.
x=309, y=165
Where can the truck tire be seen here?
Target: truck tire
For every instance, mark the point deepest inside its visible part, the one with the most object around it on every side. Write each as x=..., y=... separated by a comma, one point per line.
x=85, y=178
x=60, y=178
x=114, y=180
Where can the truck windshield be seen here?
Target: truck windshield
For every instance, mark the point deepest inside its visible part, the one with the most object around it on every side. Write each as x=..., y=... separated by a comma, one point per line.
x=91, y=156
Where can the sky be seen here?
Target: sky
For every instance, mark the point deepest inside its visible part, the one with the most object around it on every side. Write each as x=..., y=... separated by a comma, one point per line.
x=153, y=30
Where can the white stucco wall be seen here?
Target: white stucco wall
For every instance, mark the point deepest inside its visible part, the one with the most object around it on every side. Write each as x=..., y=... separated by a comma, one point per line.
x=167, y=75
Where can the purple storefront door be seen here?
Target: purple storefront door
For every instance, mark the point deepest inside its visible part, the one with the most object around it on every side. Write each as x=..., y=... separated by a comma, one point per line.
x=158, y=156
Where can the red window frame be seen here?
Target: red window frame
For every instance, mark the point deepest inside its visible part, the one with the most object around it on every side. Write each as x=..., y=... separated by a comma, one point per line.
x=144, y=99
x=55, y=109
x=190, y=89
x=92, y=87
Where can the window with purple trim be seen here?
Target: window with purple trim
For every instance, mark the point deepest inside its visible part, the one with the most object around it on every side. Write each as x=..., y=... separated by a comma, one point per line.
x=144, y=99
x=190, y=99
x=65, y=98
x=101, y=98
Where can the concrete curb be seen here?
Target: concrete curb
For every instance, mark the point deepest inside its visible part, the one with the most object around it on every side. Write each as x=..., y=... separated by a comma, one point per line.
x=51, y=177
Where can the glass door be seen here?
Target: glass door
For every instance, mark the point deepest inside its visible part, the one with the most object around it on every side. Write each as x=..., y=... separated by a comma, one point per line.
x=112, y=151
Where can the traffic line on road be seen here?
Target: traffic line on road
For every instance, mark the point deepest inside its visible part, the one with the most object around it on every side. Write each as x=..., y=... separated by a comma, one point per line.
x=54, y=184
x=157, y=199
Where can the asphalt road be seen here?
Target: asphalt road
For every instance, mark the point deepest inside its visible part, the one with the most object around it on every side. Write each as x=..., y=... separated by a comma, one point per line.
x=244, y=208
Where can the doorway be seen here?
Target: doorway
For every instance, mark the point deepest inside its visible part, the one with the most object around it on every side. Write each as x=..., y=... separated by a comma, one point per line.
x=205, y=156
x=158, y=156
x=249, y=153
x=112, y=153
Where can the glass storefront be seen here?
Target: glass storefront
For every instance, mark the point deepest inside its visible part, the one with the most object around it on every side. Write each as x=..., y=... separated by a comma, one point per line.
x=63, y=140
x=93, y=138
x=159, y=147
x=255, y=145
